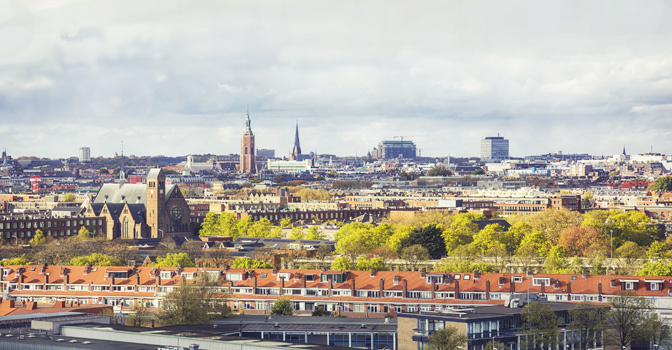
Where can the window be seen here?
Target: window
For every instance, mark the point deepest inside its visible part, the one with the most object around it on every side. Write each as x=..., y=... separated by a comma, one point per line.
x=536, y=281
x=434, y=278
x=517, y=279
x=629, y=286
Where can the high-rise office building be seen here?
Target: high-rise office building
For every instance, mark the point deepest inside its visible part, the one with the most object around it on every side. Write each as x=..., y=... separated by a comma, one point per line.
x=84, y=154
x=247, y=158
x=494, y=149
x=396, y=149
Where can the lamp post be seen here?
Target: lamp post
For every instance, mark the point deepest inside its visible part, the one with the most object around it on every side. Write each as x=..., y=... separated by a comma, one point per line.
x=611, y=234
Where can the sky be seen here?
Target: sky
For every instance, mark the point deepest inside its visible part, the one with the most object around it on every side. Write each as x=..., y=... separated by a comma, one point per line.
x=177, y=77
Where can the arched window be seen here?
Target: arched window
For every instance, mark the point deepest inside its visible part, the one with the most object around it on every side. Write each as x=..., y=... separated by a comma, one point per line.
x=124, y=229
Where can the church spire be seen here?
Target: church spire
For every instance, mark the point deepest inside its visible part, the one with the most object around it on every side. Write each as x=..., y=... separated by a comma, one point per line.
x=297, y=145
x=624, y=150
x=248, y=123
x=122, y=171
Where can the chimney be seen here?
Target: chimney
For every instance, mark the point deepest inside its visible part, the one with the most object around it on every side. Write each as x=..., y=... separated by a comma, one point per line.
x=158, y=279
x=353, y=291
x=512, y=286
x=373, y=272
x=67, y=280
x=569, y=291
x=599, y=291
x=457, y=289
x=381, y=287
x=303, y=281
x=282, y=285
x=254, y=285
x=112, y=280
x=433, y=286
x=543, y=288
x=137, y=278
x=90, y=286
x=331, y=286
x=21, y=282
x=487, y=290
x=46, y=280
x=404, y=288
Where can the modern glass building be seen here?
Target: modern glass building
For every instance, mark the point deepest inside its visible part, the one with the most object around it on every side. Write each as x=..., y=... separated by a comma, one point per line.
x=396, y=149
x=494, y=149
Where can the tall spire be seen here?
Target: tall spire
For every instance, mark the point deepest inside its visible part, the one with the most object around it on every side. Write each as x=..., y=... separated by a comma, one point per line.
x=122, y=171
x=297, y=145
x=623, y=149
x=248, y=123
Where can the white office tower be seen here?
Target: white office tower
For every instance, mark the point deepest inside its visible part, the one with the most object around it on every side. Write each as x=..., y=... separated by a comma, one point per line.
x=84, y=154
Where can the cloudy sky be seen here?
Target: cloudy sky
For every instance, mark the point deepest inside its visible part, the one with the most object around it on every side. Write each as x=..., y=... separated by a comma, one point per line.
x=176, y=77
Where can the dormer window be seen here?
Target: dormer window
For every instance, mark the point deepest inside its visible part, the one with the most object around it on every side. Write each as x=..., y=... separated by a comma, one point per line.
x=537, y=281
x=517, y=279
x=434, y=278
x=166, y=274
x=286, y=275
x=654, y=284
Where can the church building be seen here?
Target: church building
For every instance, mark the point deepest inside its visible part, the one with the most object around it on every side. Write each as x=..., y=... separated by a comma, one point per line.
x=151, y=210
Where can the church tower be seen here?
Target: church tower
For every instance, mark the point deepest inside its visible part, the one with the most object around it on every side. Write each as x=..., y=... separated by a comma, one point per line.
x=247, y=151
x=156, y=203
x=296, y=151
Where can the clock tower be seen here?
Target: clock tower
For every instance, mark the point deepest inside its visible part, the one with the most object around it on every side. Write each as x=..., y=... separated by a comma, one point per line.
x=247, y=151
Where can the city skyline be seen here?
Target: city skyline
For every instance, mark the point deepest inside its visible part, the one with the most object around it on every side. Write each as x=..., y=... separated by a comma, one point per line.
x=174, y=78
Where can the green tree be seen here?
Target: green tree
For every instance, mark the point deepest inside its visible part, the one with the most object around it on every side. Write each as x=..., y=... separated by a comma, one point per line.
x=320, y=312
x=249, y=263
x=632, y=226
x=540, y=326
x=364, y=264
x=556, y=261
x=655, y=269
x=495, y=345
x=314, y=233
x=210, y=226
x=279, y=178
x=260, y=228
x=657, y=331
x=95, y=259
x=629, y=252
x=587, y=323
x=489, y=237
x=439, y=170
x=282, y=306
x=587, y=200
x=286, y=223
x=657, y=250
x=38, y=238
x=174, y=260
x=662, y=184
x=297, y=233
x=196, y=303
x=19, y=260
x=430, y=237
x=448, y=338
x=69, y=197
x=342, y=263
x=83, y=234
x=478, y=172
x=460, y=232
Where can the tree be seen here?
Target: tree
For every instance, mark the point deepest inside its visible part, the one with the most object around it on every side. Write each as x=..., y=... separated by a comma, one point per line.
x=413, y=254
x=550, y=222
x=320, y=312
x=279, y=178
x=460, y=232
x=556, y=261
x=69, y=197
x=489, y=237
x=439, y=170
x=282, y=306
x=627, y=318
x=315, y=234
x=19, y=260
x=629, y=252
x=342, y=263
x=430, y=237
x=174, y=260
x=209, y=227
x=577, y=240
x=657, y=331
x=139, y=315
x=662, y=184
x=297, y=233
x=495, y=345
x=38, y=238
x=95, y=259
x=323, y=251
x=195, y=303
x=540, y=326
x=655, y=269
x=83, y=234
x=587, y=200
x=587, y=324
x=448, y=338
x=249, y=263
x=657, y=250
x=632, y=226
x=478, y=172
x=364, y=263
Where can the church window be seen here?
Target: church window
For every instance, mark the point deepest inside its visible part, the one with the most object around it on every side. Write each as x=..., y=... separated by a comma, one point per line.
x=125, y=229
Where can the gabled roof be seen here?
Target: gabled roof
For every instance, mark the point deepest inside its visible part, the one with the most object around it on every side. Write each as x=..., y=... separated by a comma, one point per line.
x=130, y=193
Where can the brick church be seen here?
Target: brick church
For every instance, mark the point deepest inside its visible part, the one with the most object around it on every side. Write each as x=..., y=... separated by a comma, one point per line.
x=151, y=210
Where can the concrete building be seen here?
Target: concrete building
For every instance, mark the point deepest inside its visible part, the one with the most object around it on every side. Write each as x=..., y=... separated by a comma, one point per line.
x=84, y=154
x=494, y=149
x=266, y=153
x=396, y=149
x=289, y=166
x=248, y=163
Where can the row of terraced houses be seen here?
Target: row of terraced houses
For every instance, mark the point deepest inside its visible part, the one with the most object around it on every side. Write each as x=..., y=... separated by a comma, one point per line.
x=352, y=293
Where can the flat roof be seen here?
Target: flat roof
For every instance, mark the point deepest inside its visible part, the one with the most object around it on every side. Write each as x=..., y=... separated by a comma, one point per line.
x=484, y=312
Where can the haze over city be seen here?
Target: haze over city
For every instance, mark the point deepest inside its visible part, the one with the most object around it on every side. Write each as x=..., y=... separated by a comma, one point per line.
x=176, y=78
